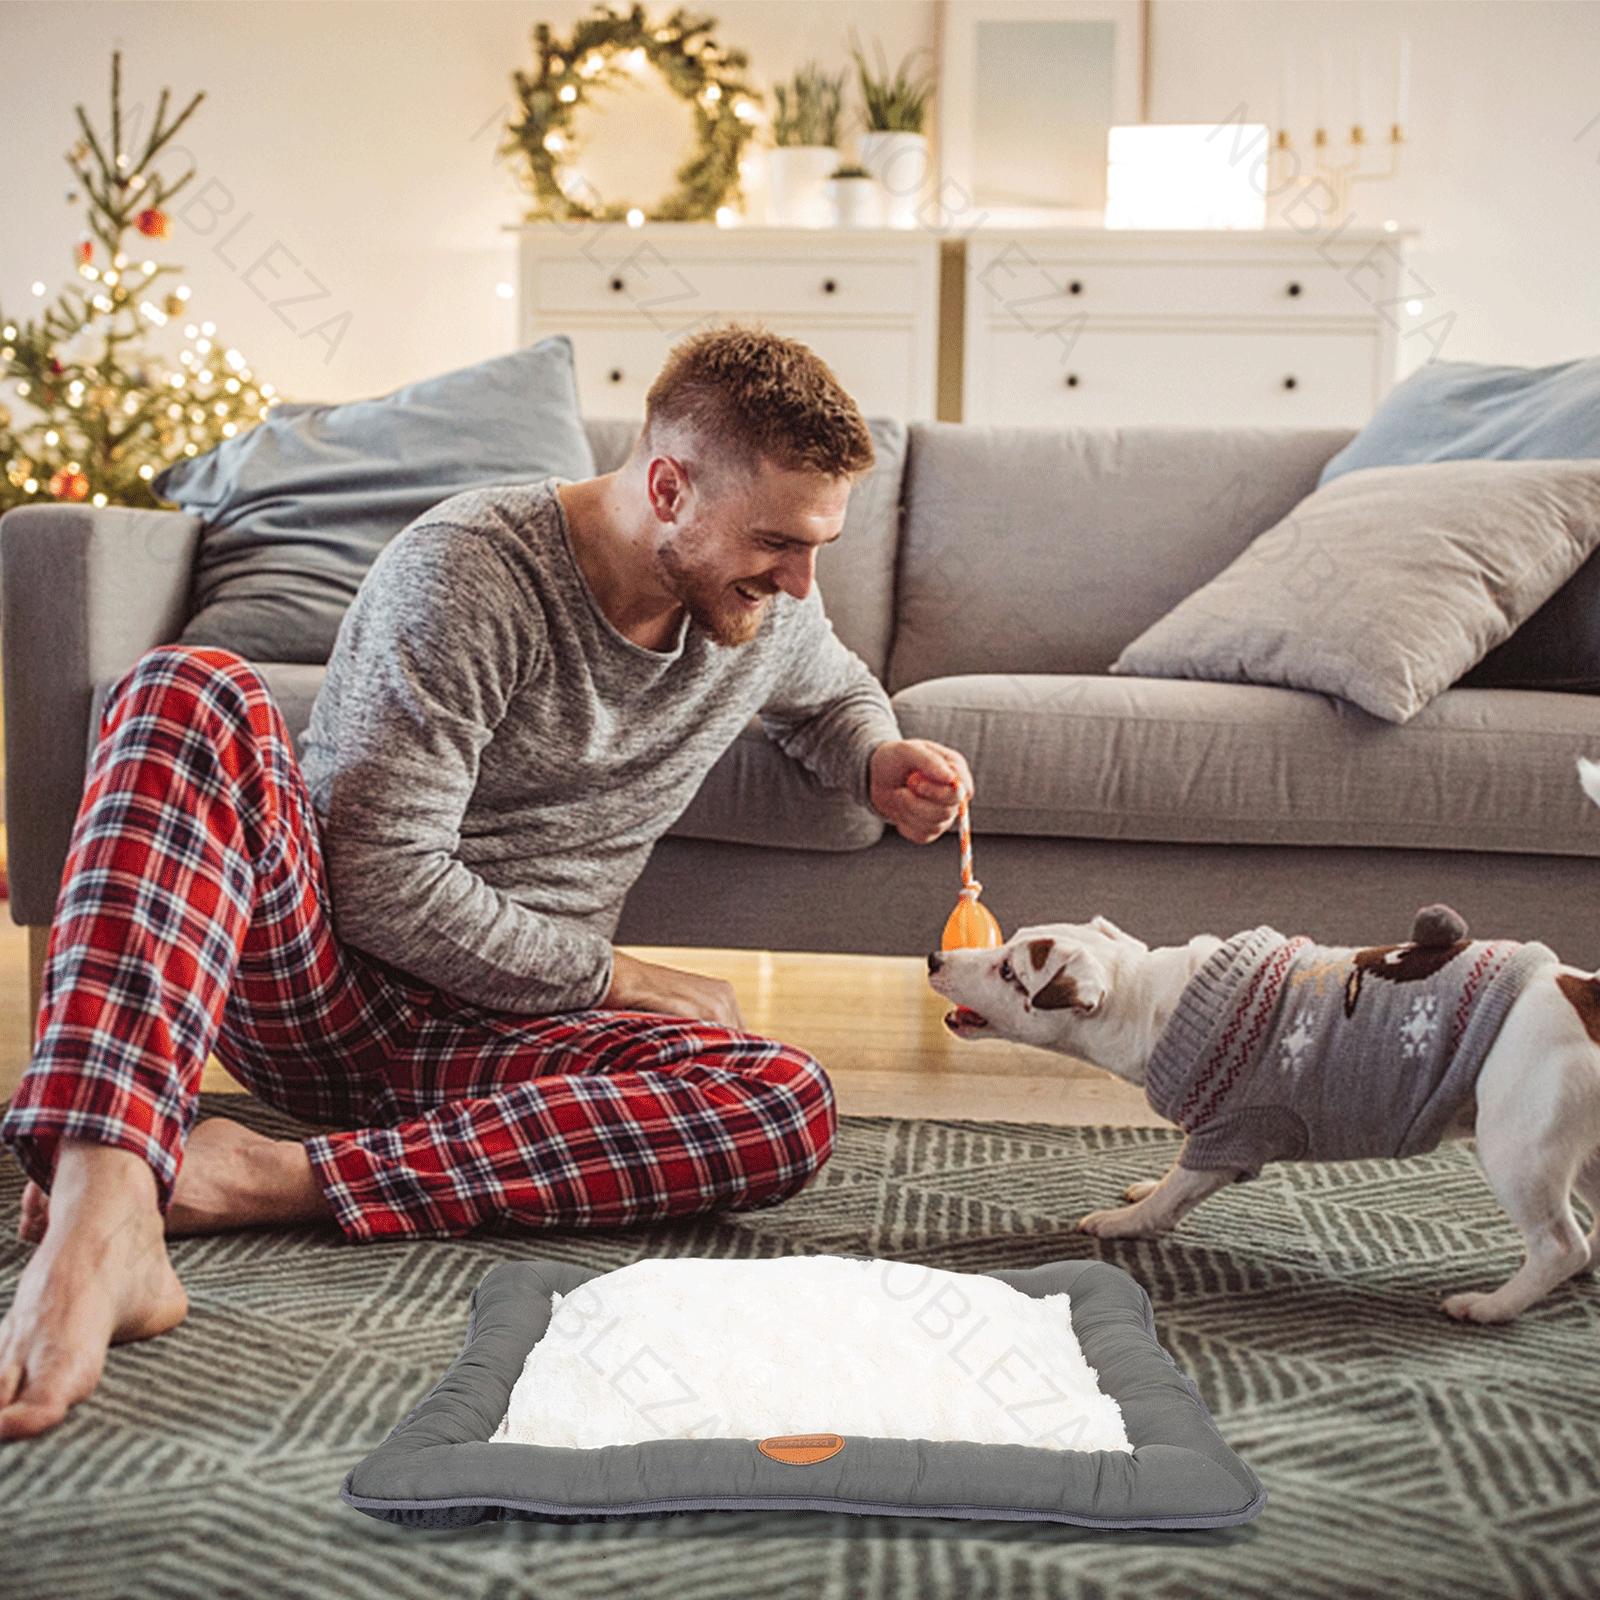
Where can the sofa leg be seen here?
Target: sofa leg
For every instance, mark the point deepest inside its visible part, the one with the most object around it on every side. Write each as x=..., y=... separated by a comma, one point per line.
x=38, y=942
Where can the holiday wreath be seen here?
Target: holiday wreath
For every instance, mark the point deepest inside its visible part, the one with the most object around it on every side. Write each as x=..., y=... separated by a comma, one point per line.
x=603, y=49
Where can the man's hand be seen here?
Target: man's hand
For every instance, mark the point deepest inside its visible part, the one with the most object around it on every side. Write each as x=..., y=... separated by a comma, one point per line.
x=643, y=986
x=915, y=786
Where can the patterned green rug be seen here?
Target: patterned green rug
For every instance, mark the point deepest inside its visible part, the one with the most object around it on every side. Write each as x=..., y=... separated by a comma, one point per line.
x=1402, y=1454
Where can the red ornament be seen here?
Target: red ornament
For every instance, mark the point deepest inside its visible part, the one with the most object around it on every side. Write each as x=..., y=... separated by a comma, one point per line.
x=85, y=251
x=56, y=367
x=66, y=485
x=152, y=222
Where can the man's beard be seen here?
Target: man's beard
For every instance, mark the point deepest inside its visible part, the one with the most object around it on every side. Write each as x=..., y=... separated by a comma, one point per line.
x=711, y=603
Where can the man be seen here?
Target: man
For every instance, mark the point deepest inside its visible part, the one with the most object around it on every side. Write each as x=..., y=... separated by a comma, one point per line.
x=408, y=938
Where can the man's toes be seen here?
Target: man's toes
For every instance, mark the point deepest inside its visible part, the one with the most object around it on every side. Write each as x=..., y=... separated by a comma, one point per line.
x=1475, y=1306
x=43, y=1400
x=25, y=1418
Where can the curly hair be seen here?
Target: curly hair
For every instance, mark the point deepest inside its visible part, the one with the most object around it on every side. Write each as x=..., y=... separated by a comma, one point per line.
x=745, y=392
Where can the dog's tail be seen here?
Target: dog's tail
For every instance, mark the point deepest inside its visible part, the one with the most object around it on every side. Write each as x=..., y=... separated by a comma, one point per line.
x=1589, y=777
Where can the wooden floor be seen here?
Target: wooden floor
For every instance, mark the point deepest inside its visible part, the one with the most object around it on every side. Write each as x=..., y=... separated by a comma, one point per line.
x=871, y=1020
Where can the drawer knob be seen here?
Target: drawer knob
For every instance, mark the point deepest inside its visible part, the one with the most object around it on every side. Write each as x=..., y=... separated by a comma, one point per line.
x=616, y=285
x=1075, y=287
x=1294, y=288
x=830, y=285
x=1291, y=382
x=1072, y=380
x=616, y=375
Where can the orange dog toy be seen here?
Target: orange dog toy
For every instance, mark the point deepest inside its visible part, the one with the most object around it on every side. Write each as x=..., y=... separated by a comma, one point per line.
x=971, y=926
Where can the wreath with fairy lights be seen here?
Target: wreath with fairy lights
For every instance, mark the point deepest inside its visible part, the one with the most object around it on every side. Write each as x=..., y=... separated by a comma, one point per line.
x=603, y=49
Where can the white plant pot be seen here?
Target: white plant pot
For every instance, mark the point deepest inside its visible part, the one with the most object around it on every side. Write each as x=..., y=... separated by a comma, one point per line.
x=856, y=202
x=899, y=161
x=797, y=185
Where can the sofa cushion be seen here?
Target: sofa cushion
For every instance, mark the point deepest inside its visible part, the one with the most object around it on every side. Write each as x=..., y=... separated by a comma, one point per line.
x=1387, y=585
x=1168, y=759
x=856, y=572
x=1048, y=549
x=296, y=508
x=1460, y=410
x=755, y=794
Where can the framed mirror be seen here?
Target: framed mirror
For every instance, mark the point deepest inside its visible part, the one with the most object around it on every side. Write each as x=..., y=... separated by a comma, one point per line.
x=1028, y=90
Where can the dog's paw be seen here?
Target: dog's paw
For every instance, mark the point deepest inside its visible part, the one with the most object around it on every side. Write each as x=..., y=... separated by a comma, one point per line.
x=1138, y=1191
x=1475, y=1306
x=1122, y=1222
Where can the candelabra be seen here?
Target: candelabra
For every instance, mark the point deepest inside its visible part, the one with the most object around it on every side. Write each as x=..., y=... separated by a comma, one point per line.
x=1337, y=177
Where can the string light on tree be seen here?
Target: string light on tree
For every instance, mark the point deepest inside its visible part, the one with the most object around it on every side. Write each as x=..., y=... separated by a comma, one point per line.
x=110, y=411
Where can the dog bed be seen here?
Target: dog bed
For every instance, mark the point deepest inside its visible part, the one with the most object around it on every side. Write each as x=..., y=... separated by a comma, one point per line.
x=642, y=1392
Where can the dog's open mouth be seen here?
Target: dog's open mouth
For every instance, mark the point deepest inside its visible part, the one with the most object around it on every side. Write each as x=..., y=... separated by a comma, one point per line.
x=964, y=1016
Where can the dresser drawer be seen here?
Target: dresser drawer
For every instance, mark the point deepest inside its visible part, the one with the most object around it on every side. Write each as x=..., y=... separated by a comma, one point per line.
x=615, y=368
x=1172, y=376
x=674, y=290
x=1016, y=286
x=886, y=370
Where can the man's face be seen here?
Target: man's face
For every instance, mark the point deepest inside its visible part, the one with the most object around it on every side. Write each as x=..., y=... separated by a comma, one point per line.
x=741, y=539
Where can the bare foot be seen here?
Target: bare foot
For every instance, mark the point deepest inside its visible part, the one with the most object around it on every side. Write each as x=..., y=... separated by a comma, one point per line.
x=234, y=1177
x=99, y=1277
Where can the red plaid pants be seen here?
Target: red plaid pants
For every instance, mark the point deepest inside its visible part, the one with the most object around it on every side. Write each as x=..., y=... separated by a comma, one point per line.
x=194, y=917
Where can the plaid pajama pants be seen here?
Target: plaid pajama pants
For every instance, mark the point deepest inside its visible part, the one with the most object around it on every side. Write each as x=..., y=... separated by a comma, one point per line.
x=194, y=917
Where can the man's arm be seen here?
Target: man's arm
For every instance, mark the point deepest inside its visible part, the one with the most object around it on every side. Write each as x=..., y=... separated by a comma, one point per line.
x=431, y=652
x=826, y=709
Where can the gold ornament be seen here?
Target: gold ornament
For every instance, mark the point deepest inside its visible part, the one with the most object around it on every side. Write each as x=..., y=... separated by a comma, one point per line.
x=5, y=417
x=173, y=305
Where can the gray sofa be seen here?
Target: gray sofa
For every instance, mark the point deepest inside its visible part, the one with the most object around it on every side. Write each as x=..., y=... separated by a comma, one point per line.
x=989, y=576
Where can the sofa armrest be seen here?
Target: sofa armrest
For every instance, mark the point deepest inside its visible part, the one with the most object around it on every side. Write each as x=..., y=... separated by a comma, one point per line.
x=84, y=592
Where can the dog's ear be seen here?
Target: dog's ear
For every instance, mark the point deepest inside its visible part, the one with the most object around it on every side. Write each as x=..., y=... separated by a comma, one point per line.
x=1106, y=926
x=1077, y=984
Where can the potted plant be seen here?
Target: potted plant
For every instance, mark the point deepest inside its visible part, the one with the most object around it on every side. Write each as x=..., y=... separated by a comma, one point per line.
x=805, y=132
x=855, y=197
x=894, y=148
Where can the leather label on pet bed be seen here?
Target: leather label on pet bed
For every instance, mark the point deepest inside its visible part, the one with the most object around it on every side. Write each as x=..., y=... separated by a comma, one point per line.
x=801, y=1449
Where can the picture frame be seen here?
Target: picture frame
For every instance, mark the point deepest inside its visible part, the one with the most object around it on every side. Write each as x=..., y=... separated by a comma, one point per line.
x=1027, y=90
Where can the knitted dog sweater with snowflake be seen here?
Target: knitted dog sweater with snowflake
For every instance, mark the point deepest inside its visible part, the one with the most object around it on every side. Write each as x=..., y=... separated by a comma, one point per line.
x=1280, y=1048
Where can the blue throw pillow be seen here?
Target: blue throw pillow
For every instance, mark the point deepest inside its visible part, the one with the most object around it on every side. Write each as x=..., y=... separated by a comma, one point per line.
x=1463, y=411
x=295, y=510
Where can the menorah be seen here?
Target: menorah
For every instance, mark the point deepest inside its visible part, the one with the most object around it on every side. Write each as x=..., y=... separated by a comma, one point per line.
x=1338, y=175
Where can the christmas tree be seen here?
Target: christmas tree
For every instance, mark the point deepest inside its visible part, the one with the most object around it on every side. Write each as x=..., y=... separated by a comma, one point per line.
x=110, y=412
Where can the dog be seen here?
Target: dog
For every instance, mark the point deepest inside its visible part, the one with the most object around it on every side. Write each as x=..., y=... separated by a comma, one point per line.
x=1185, y=1020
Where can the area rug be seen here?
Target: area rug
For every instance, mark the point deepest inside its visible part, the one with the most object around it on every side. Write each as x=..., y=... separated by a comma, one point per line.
x=1402, y=1453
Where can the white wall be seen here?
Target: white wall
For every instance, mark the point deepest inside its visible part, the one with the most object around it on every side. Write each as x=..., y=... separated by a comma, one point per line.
x=350, y=145
x=1502, y=170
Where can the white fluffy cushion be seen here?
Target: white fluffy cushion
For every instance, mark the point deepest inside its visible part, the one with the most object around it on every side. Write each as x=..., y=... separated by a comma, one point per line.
x=1386, y=585
x=696, y=1349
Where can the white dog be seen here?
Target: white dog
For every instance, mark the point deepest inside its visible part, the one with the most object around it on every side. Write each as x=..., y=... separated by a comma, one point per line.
x=1264, y=1048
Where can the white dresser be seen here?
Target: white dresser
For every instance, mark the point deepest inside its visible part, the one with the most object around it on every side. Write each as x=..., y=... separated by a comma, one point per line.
x=867, y=301
x=1110, y=327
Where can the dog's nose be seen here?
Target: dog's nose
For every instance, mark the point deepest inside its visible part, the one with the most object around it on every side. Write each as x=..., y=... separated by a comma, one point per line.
x=935, y=961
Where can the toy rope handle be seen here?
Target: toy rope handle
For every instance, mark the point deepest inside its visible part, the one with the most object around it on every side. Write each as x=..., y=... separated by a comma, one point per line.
x=970, y=887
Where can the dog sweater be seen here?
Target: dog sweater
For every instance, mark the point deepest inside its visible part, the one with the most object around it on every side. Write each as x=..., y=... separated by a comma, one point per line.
x=1280, y=1048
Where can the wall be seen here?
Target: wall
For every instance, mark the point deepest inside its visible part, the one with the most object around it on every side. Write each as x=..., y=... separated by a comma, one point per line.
x=345, y=152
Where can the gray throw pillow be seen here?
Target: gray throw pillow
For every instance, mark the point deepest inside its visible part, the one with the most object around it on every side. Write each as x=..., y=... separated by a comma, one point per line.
x=295, y=510
x=1386, y=585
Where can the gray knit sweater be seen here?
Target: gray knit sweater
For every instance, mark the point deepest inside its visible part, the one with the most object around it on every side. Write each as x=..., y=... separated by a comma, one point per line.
x=491, y=760
x=1280, y=1048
